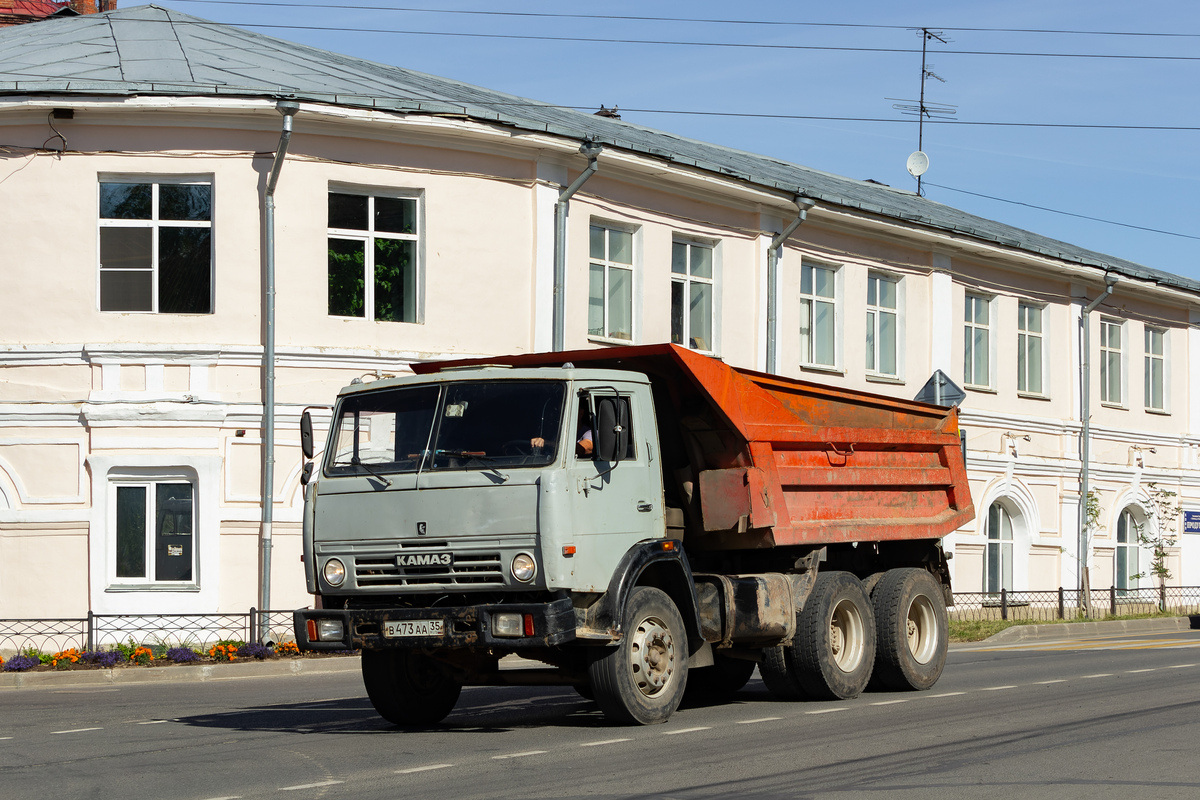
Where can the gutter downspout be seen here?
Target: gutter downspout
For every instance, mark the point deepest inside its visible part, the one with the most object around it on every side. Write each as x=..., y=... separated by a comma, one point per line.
x=289, y=110
x=592, y=151
x=1086, y=444
x=803, y=204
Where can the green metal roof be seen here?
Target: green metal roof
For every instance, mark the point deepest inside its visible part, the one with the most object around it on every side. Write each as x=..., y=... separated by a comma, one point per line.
x=150, y=50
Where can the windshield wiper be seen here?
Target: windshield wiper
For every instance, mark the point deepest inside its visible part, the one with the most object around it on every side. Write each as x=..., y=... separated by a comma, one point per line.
x=357, y=462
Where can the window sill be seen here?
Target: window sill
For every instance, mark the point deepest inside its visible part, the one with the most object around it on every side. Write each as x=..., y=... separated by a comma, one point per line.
x=1033, y=396
x=1116, y=406
x=983, y=389
x=1161, y=412
x=152, y=587
x=610, y=341
x=874, y=378
x=823, y=368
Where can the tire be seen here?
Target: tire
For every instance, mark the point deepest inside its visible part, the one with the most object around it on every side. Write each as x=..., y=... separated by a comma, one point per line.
x=833, y=653
x=778, y=675
x=642, y=679
x=724, y=678
x=408, y=689
x=911, y=629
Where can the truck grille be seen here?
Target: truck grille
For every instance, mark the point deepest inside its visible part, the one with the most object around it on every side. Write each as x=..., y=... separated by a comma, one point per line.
x=469, y=569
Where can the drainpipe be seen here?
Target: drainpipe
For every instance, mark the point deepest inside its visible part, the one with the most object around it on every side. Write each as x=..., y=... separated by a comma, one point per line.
x=803, y=204
x=288, y=109
x=591, y=150
x=1086, y=444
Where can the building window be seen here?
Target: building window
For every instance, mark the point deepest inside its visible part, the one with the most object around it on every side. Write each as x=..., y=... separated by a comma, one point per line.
x=999, y=567
x=156, y=246
x=1029, y=348
x=373, y=247
x=1156, y=368
x=692, y=295
x=977, y=341
x=154, y=524
x=610, y=283
x=1111, y=357
x=818, y=315
x=1127, y=562
x=882, y=325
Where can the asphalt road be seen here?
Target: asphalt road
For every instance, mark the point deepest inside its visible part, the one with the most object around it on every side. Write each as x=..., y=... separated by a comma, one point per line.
x=1104, y=717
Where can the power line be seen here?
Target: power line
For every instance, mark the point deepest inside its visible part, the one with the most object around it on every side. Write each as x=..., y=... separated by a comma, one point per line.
x=635, y=18
x=1064, y=213
x=675, y=43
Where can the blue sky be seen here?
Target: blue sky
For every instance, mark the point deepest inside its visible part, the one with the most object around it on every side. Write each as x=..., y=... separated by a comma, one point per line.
x=1143, y=179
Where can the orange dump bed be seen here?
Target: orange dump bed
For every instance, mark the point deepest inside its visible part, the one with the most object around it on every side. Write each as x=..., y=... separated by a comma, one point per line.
x=756, y=460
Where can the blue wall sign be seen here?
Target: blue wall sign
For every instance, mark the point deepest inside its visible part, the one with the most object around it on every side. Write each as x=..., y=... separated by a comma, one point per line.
x=1191, y=521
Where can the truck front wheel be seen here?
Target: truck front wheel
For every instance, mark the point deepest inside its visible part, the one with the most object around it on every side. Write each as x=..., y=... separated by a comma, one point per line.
x=910, y=613
x=642, y=679
x=409, y=689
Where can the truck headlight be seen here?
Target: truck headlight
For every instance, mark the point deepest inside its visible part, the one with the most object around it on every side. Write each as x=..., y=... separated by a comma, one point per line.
x=524, y=567
x=335, y=572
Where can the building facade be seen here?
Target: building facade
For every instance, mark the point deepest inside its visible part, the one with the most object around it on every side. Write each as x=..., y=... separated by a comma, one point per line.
x=415, y=219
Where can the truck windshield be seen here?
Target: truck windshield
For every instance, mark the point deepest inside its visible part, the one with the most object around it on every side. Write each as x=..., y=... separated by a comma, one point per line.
x=468, y=425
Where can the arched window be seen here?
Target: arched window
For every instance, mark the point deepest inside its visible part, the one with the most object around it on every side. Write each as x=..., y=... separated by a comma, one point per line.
x=1127, y=561
x=999, y=560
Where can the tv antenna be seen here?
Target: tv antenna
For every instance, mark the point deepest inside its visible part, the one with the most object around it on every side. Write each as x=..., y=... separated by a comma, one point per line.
x=918, y=162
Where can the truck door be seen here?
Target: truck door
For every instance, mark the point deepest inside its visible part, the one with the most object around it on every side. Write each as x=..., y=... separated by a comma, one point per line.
x=617, y=503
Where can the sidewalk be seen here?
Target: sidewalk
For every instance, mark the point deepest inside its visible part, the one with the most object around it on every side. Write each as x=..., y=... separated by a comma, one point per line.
x=1066, y=631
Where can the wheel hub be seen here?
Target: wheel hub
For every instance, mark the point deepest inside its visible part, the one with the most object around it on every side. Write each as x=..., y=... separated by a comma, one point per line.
x=653, y=656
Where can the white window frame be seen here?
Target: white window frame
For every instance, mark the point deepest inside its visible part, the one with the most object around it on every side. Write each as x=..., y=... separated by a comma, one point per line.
x=1025, y=341
x=1131, y=547
x=150, y=479
x=1148, y=363
x=970, y=327
x=1004, y=548
x=609, y=266
x=155, y=224
x=874, y=314
x=810, y=342
x=367, y=238
x=1113, y=357
x=687, y=280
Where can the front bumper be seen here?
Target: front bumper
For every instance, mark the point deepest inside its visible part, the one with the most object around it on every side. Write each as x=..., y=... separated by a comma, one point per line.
x=463, y=627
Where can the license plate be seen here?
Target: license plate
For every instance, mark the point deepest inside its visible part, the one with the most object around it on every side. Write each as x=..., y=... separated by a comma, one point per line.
x=397, y=629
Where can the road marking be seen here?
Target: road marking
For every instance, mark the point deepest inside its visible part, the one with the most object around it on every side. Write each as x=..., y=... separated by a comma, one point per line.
x=1099, y=675
x=308, y=786
x=1135, y=671
x=891, y=702
x=760, y=719
x=519, y=755
x=4, y=738
x=1180, y=666
x=946, y=694
x=686, y=730
x=426, y=768
x=76, y=730
x=825, y=710
x=604, y=742
x=1047, y=683
x=226, y=797
x=996, y=688
x=154, y=722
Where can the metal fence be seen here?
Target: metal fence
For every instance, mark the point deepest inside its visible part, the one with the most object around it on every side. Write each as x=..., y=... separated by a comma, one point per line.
x=104, y=631
x=1065, y=603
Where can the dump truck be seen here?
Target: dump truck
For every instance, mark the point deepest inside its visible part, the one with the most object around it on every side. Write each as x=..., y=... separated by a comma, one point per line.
x=633, y=522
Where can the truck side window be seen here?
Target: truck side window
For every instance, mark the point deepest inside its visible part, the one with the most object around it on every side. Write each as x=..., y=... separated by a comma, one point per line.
x=585, y=443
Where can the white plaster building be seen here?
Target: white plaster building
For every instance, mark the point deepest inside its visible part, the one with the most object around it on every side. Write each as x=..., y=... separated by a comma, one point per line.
x=415, y=219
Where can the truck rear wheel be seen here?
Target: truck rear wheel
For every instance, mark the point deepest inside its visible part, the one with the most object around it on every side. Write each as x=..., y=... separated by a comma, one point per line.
x=833, y=653
x=642, y=679
x=778, y=674
x=409, y=689
x=912, y=629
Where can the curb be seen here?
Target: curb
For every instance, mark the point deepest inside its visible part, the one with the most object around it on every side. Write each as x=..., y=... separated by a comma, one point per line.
x=1082, y=630
x=128, y=676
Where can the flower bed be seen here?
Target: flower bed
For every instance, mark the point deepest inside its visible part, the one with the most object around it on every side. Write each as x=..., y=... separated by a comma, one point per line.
x=143, y=655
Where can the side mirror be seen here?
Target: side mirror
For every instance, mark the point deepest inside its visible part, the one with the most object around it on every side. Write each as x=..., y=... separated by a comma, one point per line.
x=612, y=428
x=306, y=474
x=306, y=435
